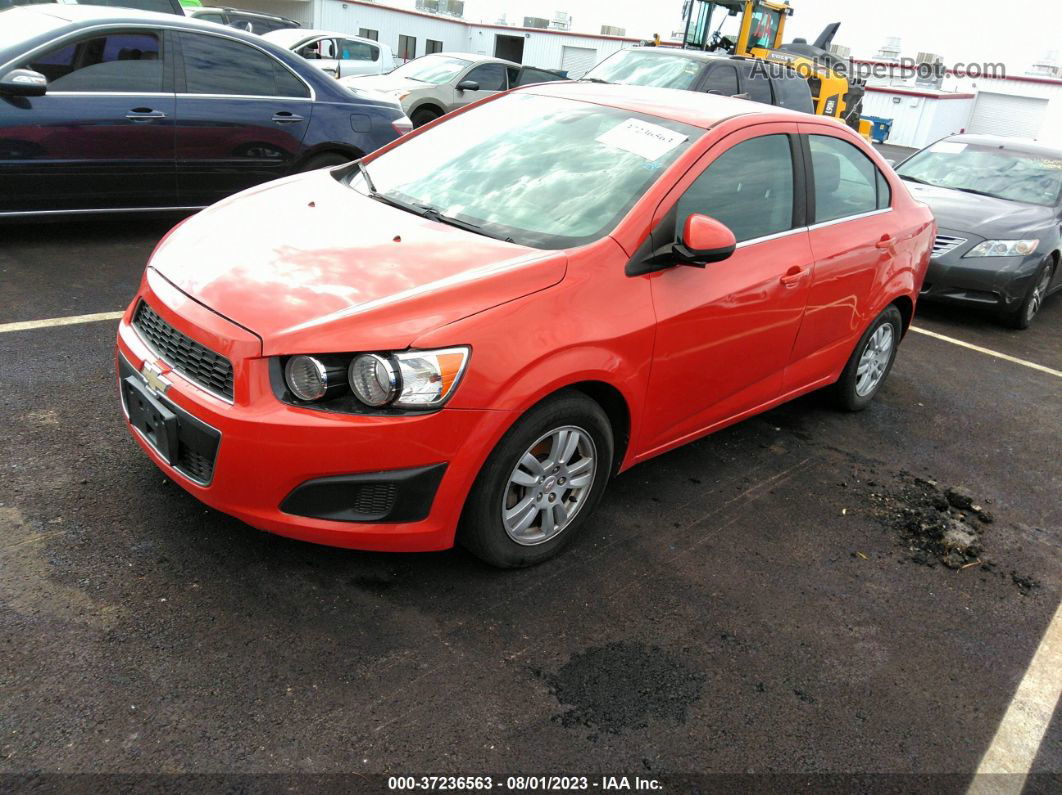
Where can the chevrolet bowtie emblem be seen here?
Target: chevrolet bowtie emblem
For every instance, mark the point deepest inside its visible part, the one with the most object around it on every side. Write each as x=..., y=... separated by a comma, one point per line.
x=156, y=381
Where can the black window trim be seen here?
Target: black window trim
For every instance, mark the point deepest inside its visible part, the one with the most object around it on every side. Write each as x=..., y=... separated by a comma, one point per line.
x=702, y=80
x=809, y=177
x=179, y=75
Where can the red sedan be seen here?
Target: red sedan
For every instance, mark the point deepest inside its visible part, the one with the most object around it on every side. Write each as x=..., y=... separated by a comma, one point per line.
x=466, y=334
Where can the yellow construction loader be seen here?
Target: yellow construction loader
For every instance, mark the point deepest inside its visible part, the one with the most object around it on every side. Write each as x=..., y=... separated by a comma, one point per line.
x=836, y=92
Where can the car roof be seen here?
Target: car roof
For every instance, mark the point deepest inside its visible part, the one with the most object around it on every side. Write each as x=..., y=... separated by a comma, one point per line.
x=471, y=56
x=693, y=55
x=1027, y=145
x=687, y=107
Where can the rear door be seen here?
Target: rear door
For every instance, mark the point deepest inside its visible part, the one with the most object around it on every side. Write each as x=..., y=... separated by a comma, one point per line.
x=103, y=135
x=492, y=78
x=725, y=332
x=853, y=233
x=241, y=117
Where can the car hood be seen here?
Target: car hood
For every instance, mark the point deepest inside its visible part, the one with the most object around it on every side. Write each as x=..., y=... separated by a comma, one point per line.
x=991, y=218
x=310, y=265
x=383, y=84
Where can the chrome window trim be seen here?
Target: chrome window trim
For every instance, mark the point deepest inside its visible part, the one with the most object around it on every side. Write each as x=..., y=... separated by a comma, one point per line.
x=775, y=236
x=188, y=95
x=166, y=209
x=848, y=218
x=152, y=26
x=109, y=94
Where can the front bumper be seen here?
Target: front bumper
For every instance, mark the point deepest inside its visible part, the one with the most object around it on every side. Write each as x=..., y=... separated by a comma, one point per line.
x=995, y=282
x=276, y=463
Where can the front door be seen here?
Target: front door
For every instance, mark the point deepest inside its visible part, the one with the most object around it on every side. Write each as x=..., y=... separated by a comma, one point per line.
x=490, y=77
x=725, y=332
x=103, y=135
x=241, y=118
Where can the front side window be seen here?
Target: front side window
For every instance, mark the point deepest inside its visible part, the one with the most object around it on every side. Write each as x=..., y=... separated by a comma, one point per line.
x=357, y=51
x=1028, y=177
x=435, y=69
x=846, y=182
x=722, y=79
x=640, y=68
x=215, y=65
x=545, y=172
x=490, y=76
x=749, y=188
x=129, y=61
x=318, y=50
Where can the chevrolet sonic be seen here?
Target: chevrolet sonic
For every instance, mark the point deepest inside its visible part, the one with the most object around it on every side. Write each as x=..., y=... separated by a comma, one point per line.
x=463, y=336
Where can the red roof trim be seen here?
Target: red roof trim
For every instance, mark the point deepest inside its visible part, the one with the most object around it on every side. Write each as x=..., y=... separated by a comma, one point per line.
x=469, y=24
x=909, y=93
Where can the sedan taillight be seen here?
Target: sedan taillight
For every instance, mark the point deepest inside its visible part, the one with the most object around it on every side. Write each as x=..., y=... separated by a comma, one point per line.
x=402, y=125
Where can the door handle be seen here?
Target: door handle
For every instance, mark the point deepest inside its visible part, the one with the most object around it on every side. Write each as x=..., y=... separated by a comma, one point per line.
x=285, y=117
x=885, y=242
x=144, y=114
x=792, y=277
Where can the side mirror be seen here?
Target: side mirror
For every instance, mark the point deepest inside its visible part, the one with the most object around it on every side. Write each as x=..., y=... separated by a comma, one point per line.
x=704, y=240
x=468, y=85
x=23, y=83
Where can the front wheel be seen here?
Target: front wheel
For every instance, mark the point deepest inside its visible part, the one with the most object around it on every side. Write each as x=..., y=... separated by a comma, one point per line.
x=423, y=116
x=1034, y=300
x=540, y=483
x=871, y=361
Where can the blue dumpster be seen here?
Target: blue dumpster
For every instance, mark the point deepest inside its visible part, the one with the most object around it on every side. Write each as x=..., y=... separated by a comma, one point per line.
x=880, y=130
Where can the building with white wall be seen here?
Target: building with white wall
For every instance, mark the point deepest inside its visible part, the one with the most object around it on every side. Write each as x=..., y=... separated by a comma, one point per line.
x=411, y=33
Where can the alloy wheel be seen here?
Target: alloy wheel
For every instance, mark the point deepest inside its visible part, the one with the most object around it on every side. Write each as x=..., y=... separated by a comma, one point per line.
x=1036, y=300
x=549, y=485
x=875, y=360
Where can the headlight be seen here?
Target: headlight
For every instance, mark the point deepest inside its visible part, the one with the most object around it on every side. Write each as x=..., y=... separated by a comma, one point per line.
x=373, y=379
x=1003, y=248
x=427, y=378
x=312, y=378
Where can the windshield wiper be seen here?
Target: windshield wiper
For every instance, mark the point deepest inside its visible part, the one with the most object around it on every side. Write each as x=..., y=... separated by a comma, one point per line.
x=433, y=214
x=368, y=180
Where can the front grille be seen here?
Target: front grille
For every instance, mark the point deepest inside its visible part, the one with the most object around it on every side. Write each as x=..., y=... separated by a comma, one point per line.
x=196, y=362
x=374, y=499
x=945, y=244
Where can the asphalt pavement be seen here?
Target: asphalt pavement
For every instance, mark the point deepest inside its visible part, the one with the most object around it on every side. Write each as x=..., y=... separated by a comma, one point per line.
x=750, y=603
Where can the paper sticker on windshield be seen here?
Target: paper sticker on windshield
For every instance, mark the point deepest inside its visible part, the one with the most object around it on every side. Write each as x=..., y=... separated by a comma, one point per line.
x=948, y=148
x=642, y=138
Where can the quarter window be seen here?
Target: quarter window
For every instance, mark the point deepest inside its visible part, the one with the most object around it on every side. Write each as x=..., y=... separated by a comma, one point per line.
x=846, y=181
x=213, y=65
x=722, y=80
x=126, y=61
x=490, y=76
x=758, y=86
x=749, y=188
x=793, y=92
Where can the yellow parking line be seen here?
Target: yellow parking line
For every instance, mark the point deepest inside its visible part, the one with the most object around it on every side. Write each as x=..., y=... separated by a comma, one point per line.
x=29, y=325
x=988, y=352
x=1009, y=758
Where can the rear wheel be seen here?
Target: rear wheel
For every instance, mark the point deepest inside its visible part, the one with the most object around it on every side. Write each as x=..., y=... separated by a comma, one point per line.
x=1034, y=301
x=871, y=361
x=540, y=484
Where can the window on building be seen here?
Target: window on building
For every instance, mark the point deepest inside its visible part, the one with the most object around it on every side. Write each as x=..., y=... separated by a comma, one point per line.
x=407, y=48
x=749, y=188
x=846, y=182
x=431, y=45
x=368, y=33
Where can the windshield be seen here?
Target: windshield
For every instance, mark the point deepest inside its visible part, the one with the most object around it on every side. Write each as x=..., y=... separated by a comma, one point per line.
x=1003, y=173
x=545, y=172
x=639, y=68
x=435, y=69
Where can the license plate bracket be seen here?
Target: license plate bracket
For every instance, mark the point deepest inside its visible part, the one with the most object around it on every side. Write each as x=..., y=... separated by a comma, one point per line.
x=157, y=423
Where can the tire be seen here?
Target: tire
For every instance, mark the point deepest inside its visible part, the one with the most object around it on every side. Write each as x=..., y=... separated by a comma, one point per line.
x=1034, y=299
x=423, y=116
x=324, y=160
x=854, y=391
x=484, y=531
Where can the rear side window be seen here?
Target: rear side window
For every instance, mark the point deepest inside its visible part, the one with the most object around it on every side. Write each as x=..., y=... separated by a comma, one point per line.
x=357, y=51
x=527, y=76
x=758, y=87
x=749, y=188
x=126, y=61
x=722, y=79
x=212, y=17
x=793, y=92
x=215, y=65
x=846, y=181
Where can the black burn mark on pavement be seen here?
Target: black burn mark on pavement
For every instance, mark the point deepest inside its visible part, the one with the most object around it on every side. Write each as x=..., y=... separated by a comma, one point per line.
x=623, y=685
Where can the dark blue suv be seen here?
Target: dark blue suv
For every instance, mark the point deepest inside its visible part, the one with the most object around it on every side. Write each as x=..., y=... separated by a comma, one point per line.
x=107, y=110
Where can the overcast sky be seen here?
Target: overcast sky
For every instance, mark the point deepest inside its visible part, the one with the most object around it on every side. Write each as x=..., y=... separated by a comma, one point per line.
x=1016, y=32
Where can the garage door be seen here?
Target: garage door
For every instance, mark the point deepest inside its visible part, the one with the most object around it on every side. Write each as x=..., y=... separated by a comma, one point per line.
x=577, y=61
x=1006, y=114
